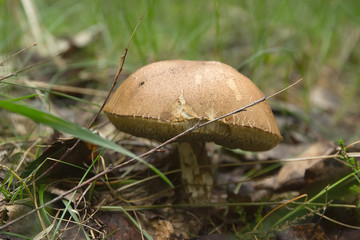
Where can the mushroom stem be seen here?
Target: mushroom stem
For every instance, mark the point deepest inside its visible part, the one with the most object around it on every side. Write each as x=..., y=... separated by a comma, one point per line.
x=196, y=172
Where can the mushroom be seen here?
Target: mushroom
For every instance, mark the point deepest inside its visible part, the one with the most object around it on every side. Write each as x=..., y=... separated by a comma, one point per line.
x=163, y=99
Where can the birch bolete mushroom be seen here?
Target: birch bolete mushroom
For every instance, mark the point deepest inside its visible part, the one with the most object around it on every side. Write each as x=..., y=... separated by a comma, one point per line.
x=163, y=99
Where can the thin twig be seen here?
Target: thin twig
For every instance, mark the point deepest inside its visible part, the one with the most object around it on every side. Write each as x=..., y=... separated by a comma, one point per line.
x=284, y=89
x=28, y=67
x=108, y=170
x=122, y=61
x=18, y=52
x=278, y=207
x=67, y=89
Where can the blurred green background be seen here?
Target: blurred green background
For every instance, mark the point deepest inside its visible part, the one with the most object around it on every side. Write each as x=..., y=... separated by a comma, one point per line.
x=273, y=42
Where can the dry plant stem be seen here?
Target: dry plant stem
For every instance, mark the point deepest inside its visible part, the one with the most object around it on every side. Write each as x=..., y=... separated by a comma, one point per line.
x=37, y=29
x=19, y=179
x=333, y=220
x=38, y=212
x=278, y=207
x=20, y=51
x=68, y=89
x=196, y=126
x=28, y=67
x=108, y=170
x=121, y=64
x=122, y=61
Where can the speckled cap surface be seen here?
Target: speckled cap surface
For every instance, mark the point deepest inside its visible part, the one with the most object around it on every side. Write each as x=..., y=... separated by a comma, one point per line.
x=163, y=99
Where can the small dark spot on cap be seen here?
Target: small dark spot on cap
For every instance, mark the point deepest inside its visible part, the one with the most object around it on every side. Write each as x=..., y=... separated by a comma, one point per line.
x=141, y=83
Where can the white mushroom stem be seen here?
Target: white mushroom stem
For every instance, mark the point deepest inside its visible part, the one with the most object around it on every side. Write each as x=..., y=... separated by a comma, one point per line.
x=196, y=173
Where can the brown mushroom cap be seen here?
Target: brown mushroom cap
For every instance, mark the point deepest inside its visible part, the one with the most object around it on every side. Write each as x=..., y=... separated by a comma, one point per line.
x=163, y=99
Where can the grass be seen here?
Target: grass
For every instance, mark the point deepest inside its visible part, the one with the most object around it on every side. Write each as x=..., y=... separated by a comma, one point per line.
x=282, y=39
x=272, y=42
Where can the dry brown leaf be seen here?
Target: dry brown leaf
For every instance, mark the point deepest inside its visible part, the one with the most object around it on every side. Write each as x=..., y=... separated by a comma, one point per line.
x=162, y=229
x=118, y=226
x=291, y=175
x=29, y=226
x=302, y=232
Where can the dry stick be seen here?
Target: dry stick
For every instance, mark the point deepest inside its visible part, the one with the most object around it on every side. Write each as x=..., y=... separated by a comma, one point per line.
x=121, y=64
x=28, y=67
x=108, y=170
x=13, y=55
x=278, y=207
x=284, y=89
x=122, y=61
x=68, y=89
x=198, y=125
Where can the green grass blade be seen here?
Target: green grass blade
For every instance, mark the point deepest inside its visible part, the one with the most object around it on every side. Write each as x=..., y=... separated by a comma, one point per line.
x=16, y=235
x=75, y=217
x=323, y=192
x=147, y=235
x=75, y=130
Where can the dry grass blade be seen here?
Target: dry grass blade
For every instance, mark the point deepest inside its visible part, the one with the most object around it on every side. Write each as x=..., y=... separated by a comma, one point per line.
x=18, y=52
x=107, y=171
x=278, y=207
x=122, y=61
x=29, y=67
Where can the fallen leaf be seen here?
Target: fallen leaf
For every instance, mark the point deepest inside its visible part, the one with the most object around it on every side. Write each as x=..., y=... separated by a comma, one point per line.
x=71, y=166
x=302, y=232
x=118, y=226
x=291, y=175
